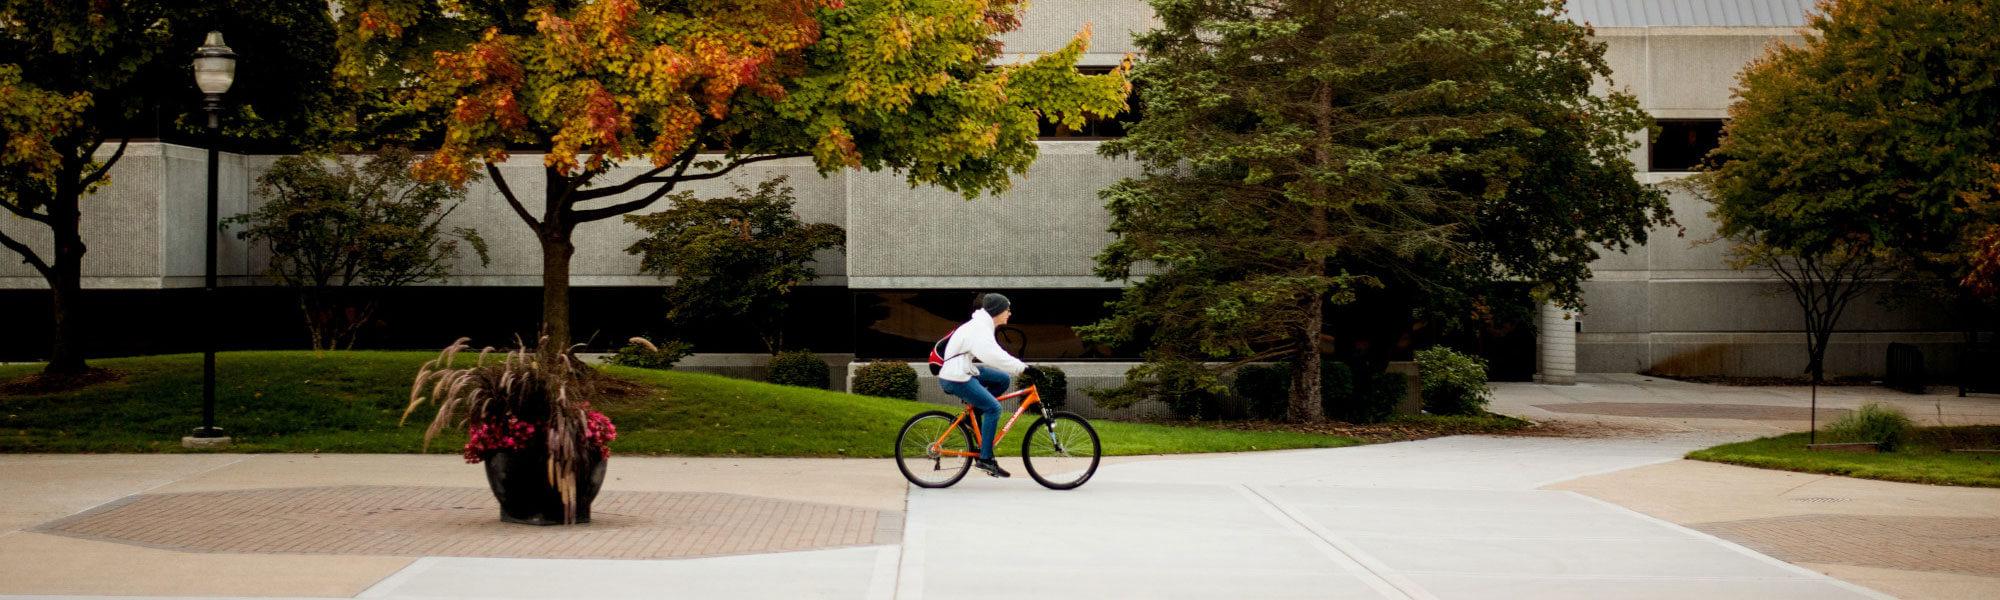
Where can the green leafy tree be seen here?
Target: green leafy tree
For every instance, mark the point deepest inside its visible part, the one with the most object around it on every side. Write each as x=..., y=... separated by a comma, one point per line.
x=695, y=90
x=733, y=257
x=79, y=79
x=340, y=232
x=1297, y=152
x=1868, y=149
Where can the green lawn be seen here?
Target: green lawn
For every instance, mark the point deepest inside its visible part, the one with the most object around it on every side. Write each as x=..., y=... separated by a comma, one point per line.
x=350, y=401
x=1926, y=460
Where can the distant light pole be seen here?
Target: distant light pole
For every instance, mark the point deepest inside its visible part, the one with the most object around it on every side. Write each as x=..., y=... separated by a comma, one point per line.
x=214, y=72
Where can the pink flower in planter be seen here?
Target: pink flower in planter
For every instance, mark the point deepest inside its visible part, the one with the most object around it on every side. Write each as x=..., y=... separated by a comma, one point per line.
x=483, y=438
x=515, y=434
x=598, y=431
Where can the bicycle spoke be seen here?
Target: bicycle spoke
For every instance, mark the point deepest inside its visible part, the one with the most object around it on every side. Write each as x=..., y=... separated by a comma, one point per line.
x=920, y=449
x=1062, y=452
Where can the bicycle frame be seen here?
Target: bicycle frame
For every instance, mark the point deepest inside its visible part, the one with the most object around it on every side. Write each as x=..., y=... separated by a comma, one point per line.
x=1033, y=398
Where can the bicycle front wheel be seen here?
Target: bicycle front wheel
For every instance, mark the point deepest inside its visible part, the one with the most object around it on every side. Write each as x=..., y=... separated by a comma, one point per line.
x=919, y=443
x=1061, y=451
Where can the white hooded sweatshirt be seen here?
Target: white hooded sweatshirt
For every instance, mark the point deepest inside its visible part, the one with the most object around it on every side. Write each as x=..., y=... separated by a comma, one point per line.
x=973, y=340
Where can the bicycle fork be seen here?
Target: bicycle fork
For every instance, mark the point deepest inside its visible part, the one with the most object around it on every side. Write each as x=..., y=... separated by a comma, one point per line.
x=1054, y=441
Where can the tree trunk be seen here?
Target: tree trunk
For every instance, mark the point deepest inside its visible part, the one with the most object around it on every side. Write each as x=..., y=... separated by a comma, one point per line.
x=66, y=291
x=1305, y=405
x=66, y=286
x=556, y=252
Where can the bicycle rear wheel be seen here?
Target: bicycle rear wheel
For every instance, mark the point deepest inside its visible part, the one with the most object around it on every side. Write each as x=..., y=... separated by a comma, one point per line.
x=1061, y=451
x=918, y=457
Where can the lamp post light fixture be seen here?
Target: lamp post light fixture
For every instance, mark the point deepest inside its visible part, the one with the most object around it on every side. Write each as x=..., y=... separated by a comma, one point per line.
x=214, y=72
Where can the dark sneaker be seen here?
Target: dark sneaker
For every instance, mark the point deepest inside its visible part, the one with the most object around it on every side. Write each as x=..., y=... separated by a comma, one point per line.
x=991, y=468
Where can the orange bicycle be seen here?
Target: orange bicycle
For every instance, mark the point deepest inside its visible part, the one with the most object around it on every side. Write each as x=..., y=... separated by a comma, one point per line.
x=1060, y=450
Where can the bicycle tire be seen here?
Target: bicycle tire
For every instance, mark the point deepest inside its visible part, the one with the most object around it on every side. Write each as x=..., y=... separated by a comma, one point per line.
x=904, y=446
x=1073, y=447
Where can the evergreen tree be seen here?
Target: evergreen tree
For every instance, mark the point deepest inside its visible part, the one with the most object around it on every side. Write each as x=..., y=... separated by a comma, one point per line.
x=1297, y=152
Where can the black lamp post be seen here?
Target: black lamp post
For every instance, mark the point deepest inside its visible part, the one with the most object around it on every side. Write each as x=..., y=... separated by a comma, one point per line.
x=214, y=72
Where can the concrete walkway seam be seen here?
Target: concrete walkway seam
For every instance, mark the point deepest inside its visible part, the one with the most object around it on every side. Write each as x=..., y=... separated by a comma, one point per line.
x=1353, y=560
x=883, y=585
x=910, y=574
x=385, y=587
x=1605, y=471
x=1738, y=548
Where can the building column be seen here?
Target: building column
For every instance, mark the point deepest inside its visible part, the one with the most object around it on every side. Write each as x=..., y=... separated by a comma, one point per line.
x=1555, y=345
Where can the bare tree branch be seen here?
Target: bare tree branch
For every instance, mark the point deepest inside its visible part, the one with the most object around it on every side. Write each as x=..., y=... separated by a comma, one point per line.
x=25, y=213
x=28, y=255
x=102, y=169
x=500, y=182
x=669, y=183
x=681, y=160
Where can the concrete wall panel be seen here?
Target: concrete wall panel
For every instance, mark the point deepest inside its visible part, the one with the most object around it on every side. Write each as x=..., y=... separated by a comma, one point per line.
x=120, y=226
x=600, y=258
x=1698, y=72
x=184, y=215
x=1766, y=305
x=1049, y=227
x=1688, y=247
x=1614, y=306
x=1620, y=357
x=1049, y=24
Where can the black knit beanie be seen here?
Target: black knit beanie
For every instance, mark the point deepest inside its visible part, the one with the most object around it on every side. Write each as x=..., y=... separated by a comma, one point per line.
x=994, y=304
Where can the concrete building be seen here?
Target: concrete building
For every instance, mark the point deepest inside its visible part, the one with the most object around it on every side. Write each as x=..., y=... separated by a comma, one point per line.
x=914, y=254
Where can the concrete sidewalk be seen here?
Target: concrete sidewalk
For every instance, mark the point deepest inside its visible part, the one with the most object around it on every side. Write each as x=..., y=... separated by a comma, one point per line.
x=1461, y=517
x=1913, y=541
x=1445, y=518
x=1668, y=407
x=126, y=555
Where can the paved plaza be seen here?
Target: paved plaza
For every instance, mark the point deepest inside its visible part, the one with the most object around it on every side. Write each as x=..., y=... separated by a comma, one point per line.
x=1461, y=517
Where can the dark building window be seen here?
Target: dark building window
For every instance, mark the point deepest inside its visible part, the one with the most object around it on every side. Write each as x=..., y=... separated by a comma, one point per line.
x=1683, y=144
x=1094, y=127
x=902, y=324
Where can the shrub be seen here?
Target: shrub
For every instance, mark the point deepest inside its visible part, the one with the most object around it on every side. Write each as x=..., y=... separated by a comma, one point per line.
x=1266, y=389
x=641, y=353
x=801, y=368
x=887, y=379
x=1385, y=391
x=1336, y=391
x=1453, y=383
x=1053, y=385
x=1188, y=390
x=1371, y=398
x=1874, y=422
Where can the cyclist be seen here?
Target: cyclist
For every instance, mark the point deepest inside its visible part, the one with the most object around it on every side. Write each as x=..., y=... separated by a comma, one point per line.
x=978, y=384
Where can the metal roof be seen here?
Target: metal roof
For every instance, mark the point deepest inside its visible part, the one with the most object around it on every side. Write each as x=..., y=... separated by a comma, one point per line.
x=1690, y=13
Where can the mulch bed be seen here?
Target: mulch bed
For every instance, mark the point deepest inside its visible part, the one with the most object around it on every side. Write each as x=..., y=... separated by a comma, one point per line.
x=42, y=383
x=612, y=389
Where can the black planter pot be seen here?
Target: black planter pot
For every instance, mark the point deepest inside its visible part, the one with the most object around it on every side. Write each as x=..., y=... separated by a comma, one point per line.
x=520, y=481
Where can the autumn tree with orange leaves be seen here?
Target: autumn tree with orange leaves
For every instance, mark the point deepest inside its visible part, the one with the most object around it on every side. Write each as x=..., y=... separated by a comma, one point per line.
x=697, y=89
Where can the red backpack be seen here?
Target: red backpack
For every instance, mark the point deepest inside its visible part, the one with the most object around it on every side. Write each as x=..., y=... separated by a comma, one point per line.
x=937, y=353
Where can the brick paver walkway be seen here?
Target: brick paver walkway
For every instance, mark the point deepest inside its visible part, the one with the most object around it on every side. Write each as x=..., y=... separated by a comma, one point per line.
x=1666, y=410
x=430, y=521
x=1959, y=545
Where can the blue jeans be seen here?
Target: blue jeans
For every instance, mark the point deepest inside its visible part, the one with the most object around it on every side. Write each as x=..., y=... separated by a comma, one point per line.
x=979, y=392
